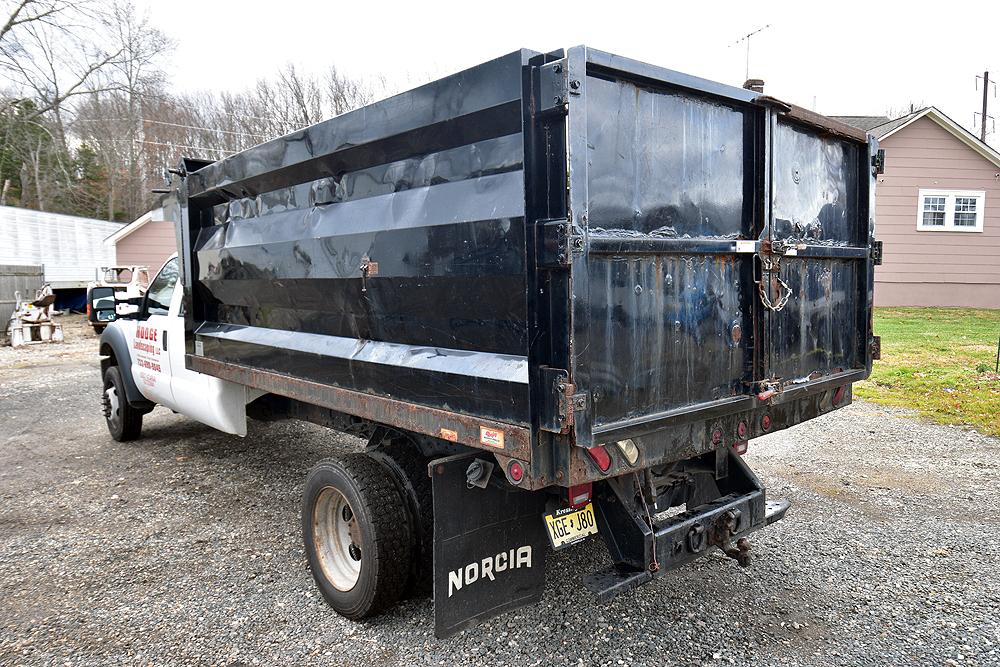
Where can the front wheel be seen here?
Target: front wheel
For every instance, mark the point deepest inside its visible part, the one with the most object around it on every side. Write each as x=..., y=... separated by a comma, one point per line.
x=124, y=421
x=358, y=534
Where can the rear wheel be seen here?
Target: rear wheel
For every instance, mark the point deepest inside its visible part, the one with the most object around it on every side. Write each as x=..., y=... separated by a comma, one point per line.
x=402, y=456
x=358, y=534
x=124, y=422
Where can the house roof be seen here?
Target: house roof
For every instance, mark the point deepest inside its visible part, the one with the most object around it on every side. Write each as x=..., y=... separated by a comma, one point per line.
x=135, y=225
x=888, y=127
x=862, y=122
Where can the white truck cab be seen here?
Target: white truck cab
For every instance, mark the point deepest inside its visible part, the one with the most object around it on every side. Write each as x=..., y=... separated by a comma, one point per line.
x=146, y=349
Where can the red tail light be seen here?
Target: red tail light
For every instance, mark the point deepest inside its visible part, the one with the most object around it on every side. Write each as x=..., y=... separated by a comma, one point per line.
x=88, y=310
x=580, y=495
x=600, y=456
x=516, y=471
x=740, y=447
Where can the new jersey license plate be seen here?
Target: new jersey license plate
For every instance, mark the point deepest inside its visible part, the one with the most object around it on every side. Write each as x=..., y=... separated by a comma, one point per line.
x=568, y=526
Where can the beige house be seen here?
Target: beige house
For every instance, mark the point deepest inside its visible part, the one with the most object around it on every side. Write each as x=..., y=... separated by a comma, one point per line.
x=147, y=241
x=937, y=210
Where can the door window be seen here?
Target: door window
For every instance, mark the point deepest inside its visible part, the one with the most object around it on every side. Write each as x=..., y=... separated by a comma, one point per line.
x=161, y=290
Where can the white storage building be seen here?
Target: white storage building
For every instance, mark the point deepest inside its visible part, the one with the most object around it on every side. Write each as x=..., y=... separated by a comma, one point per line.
x=70, y=248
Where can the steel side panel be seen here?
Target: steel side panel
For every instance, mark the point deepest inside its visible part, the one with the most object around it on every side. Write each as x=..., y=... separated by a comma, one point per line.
x=380, y=253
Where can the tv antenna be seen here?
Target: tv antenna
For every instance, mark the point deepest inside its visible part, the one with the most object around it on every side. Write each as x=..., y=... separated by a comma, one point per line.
x=746, y=38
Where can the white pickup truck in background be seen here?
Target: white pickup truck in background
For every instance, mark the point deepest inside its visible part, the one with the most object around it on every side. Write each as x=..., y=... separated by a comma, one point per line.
x=118, y=283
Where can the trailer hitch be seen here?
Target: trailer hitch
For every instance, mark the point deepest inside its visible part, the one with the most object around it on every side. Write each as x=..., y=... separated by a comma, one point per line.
x=722, y=533
x=635, y=543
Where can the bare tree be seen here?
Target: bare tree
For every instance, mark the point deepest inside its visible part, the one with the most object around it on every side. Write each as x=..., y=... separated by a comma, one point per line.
x=55, y=53
x=87, y=120
x=55, y=50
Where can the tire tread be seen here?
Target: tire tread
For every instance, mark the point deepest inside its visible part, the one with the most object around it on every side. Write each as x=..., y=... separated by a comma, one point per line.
x=385, y=507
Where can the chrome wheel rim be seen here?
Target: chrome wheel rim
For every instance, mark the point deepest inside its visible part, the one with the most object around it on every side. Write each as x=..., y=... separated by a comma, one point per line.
x=337, y=537
x=112, y=405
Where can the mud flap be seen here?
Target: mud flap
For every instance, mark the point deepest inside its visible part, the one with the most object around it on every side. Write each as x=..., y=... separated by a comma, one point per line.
x=489, y=545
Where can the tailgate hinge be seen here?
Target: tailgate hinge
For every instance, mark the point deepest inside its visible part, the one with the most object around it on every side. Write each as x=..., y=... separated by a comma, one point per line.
x=558, y=241
x=561, y=402
x=554, y=87
x=876, y=253
x=878, y=162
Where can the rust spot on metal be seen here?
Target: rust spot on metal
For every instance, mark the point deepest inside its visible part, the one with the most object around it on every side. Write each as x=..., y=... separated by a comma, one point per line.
x=764, y=395
x=379, y=409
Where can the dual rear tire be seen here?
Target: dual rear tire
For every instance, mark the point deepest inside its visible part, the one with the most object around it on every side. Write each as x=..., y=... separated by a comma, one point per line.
x=359, y=534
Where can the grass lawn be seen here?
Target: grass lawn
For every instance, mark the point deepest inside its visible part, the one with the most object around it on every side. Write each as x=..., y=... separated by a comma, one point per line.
x=940, y=362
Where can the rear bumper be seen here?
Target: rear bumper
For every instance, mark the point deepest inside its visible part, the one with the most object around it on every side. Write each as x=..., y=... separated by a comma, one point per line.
x=643, y=552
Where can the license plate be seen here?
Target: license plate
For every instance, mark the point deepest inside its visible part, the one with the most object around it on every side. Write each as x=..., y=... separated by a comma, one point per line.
x=568, y=526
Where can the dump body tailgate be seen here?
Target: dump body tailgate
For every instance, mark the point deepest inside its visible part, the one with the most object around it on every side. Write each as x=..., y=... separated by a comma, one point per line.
x=726, y=257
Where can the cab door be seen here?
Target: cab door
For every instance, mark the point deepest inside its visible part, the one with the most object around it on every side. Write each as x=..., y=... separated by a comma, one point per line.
x=210, y=400
x=151, y=364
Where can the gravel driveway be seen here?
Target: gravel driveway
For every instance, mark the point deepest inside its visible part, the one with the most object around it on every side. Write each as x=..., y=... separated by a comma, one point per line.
x=183, y=548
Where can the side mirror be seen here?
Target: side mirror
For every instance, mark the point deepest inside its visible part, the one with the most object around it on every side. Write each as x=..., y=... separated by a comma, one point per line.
x=103, y=303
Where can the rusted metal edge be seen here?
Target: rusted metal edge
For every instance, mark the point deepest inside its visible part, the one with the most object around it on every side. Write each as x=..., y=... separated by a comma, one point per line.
x=820, y=384
x=628, y=428
x=813, y=119
x=509, y=439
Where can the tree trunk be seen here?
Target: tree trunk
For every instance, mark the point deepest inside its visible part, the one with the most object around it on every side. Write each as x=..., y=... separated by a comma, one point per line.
x=38, y=176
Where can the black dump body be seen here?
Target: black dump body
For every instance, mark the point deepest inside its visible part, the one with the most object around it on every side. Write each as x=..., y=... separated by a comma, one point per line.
x=541, y=254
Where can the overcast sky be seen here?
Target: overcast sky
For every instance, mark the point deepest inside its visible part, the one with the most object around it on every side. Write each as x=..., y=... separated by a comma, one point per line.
x=839, y=58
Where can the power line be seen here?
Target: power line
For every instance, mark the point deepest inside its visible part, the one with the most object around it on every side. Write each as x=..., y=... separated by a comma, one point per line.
x=169, y=100
x=163, y=122
x=172, y=145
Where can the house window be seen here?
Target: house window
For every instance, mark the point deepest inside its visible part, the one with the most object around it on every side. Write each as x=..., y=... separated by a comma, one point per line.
x=951, y=210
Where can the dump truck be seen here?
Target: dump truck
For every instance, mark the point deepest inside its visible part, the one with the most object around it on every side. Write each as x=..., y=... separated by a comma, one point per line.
x=556, y=293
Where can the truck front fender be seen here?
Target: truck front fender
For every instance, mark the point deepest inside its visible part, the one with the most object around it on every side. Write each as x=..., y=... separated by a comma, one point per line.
x=114, y=350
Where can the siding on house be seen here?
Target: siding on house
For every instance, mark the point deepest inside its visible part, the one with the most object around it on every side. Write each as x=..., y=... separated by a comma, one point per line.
x=935, y=268
x=150, y=245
